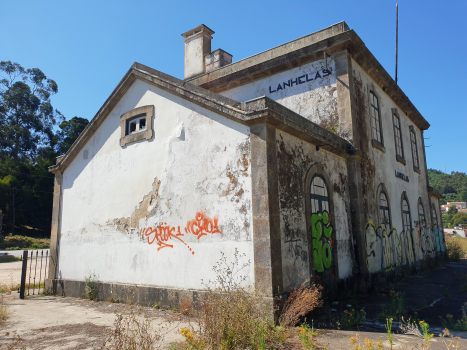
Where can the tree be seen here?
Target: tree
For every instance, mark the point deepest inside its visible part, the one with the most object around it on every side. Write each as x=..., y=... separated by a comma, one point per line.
x=70, y=131
x=459, y=219
x=26, y=113
x=452, y=210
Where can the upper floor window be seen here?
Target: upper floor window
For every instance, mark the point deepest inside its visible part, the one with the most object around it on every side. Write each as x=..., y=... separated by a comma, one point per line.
x=375, y=118
x=384, y=214
x=421, y=213
x=136, y=124
x=413, y=141
x=406, y=219
x=398, y=138
x=319, y=195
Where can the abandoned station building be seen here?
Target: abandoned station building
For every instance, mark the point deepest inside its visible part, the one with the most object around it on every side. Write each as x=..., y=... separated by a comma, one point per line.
x=307, y=159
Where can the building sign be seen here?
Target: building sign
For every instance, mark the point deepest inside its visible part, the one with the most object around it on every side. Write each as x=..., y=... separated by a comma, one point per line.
x=299, y=80
x=402, y=176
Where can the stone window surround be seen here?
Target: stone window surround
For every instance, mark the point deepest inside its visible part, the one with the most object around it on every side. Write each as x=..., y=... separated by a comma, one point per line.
x=400, y=159
x=420, y=219
x=371, y=88
x=318, y=169
x=147, y=134
x=434, y=211
x=382, y=188
x=415, y=168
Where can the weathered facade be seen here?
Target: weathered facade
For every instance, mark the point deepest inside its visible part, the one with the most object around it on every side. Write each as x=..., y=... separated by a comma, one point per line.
x=306, y=158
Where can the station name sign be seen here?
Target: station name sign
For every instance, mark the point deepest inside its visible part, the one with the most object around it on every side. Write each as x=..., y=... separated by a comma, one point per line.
x=402, y=176
x=300, y=80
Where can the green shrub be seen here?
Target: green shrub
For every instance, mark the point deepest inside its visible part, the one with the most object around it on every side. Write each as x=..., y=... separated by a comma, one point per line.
x=91, y=286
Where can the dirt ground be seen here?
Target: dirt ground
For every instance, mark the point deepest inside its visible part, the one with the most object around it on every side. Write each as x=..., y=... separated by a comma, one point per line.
x=49, y=322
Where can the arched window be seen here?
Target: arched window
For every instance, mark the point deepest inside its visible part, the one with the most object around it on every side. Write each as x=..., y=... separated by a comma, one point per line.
x=319, y=195
x=384, y=213
x=434, y=217
x=406, y=219
x=421, y=213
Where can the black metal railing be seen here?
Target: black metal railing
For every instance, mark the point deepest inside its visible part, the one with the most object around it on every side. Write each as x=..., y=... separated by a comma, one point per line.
x=26, y=277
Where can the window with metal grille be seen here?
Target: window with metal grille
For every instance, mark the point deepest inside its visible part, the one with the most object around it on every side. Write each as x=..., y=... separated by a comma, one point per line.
x=319, y=195
x=406, y=220
x=421, y=213
x=384, y=214
x=375, y=118
x=413, y=140
x=398, y=136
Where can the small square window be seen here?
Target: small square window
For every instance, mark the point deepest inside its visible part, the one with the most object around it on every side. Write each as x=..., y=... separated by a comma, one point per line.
x=137, y=125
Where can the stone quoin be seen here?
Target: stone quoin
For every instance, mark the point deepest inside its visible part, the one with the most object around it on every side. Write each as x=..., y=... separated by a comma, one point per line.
x=287, y=156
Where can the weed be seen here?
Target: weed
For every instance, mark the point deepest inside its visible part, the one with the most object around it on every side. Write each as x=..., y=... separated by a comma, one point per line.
x=456, y=247
x=449, y=341
x=134, y=331
x=185, y=306
x=306, y=334
x=395, y=309
x=282, y=334
x=111, y=300
x=446, y=291
x=426, y=332
x=3, y=309
x=351, y=319
x=156, y=305
x=174, y=309
x=91, y=286
x=450, y=323
x=388, y=327
x=300, y=302
x=368, y=344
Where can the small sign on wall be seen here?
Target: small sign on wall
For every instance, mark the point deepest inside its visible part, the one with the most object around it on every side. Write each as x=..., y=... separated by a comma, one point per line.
x=402, y=176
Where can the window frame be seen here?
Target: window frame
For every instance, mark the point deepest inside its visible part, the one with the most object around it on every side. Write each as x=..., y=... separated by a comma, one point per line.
x=138, y=113
x=374, y=141
x=434, y=218
x=421, y=220
x=382, y=190
x=399, y=157
x=416, y=168
x=408, y=212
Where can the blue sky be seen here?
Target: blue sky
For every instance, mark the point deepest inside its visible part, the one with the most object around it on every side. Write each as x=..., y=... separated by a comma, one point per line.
x=87, y=47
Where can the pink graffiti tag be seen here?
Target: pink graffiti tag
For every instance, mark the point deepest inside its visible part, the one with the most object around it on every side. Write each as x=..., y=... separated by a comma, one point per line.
x=162, y=234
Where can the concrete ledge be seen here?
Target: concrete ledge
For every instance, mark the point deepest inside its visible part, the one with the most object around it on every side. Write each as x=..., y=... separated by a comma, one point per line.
x=145, y=295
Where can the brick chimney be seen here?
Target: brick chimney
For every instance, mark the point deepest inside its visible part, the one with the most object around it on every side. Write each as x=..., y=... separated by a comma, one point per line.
x=197, y=45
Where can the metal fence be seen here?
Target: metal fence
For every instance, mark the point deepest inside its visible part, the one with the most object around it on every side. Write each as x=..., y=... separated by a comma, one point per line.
x=29, y=274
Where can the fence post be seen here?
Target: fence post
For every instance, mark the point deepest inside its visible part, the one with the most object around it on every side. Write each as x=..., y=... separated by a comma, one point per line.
x=23, y=274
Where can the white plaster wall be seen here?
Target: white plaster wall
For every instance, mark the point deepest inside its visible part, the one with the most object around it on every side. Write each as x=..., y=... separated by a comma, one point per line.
x=202, y=161
x=315, y=100
x=300, y=156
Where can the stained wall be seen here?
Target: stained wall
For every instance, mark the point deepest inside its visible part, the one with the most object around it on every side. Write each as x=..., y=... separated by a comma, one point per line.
x=161, y=211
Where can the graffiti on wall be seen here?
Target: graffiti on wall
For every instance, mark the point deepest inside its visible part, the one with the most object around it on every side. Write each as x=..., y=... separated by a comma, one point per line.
x=388, y=249
x=321, y=230
x=294, y=239
x=164, y=235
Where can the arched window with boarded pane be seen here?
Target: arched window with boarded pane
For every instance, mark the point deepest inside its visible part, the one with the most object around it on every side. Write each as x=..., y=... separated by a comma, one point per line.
x=406, y=217
x=322, y=245
x=384, y=209
x=421, y=213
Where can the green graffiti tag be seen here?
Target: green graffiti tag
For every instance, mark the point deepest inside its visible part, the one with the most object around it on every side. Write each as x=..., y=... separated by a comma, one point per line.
x=321, y=230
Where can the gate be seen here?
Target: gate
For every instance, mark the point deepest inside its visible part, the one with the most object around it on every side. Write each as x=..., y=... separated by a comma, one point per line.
x=35, y=262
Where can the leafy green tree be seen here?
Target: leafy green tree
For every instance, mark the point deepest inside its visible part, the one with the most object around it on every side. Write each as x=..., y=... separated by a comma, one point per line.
x=69, y=132
x=26, y=113
x=452, y=210
x=459, y=219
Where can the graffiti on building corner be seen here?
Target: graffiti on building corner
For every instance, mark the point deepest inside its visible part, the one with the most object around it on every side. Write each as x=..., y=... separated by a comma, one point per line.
x=388, y=249
x=164, y=235
x=321, y=230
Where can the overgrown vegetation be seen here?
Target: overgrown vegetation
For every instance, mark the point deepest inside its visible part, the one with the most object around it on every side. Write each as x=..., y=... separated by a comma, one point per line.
x=452, y=186
x=8, y=258
x=352, y=319
x=3, y=309
x=91, y=286
x=395, y=309
x=456, y=247
x=22, y=242
x=306, y=334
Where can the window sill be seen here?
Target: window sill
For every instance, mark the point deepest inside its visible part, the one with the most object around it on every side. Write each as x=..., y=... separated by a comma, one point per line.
x=400, y=159
x=377, y=145
x=417, y=170
x=142, y=135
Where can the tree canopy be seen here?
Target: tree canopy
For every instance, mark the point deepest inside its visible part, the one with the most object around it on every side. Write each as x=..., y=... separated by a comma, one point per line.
x=29, y=143
x=452, y=186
